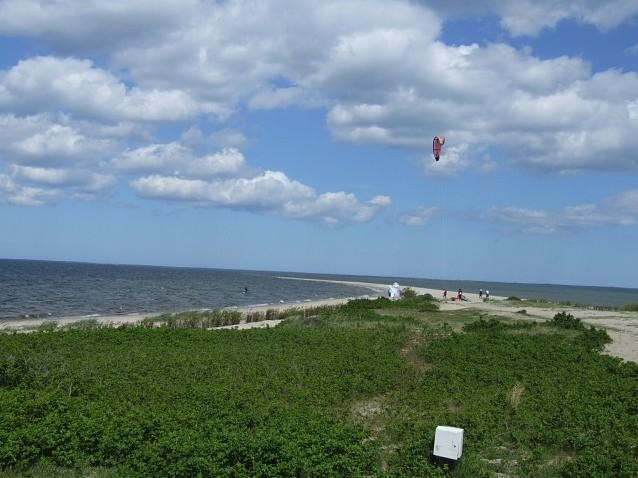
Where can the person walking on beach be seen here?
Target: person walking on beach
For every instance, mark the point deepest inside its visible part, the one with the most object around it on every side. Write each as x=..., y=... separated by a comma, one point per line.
x=480, y=294
x=487, y=295
x=445, y=294
x=460, y=295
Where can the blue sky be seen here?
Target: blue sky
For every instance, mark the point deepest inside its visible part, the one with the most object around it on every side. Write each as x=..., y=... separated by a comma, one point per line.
x=297, y=136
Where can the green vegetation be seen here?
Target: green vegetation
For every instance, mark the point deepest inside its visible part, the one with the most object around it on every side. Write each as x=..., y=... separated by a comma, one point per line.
x=194, y=319
x=356, y=390
x=206, y=319
x=408, y=293
x=516, y=301
x=48, y=326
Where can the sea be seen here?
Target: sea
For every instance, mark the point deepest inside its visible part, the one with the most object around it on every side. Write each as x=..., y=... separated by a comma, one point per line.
x=51, y=289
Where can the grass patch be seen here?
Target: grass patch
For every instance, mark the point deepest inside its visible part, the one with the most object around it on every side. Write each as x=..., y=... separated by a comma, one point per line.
x=355, y=390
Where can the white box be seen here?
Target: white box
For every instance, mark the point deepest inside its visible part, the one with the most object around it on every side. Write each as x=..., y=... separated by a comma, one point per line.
x=448, y=442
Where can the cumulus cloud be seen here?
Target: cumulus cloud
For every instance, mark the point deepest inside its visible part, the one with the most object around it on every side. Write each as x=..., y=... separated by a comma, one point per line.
x=420, y=216
x=13, y=193
x=174, y=158
x=381, y=71
x=545, y=114
x=269, y=192
x=83, y=180
x=97, y=25
x=618, y=210
x=45, y=140
x=529, y=17
x=94, y=26
x=54, y=84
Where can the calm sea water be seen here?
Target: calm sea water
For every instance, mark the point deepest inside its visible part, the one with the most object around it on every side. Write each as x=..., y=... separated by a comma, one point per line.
x=57, y=289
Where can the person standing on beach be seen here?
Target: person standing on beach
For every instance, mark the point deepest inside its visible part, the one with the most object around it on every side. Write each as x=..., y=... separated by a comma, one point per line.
x=445, y=294
x=487, y=295
x=460, y=295
x=480, y=294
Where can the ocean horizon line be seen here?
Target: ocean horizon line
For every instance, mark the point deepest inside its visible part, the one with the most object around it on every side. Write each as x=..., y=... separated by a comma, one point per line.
x=390, y=278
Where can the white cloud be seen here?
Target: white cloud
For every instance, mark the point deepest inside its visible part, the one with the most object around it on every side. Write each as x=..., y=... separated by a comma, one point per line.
x=381, y=200
x=56, y=140
x=173, y=158
x=241, y=49
x=420, y=216
x=380, y=66
x=45, y=140
x=84, y=180
x=632, y=50
x=95, y=25
x=545, y=114
x=270, y=192
x=618, y=210
x=53, y=84
x=13, y=193
x=529, y=17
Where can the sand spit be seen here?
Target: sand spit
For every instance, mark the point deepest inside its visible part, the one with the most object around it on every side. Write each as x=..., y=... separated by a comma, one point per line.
x=621, y=326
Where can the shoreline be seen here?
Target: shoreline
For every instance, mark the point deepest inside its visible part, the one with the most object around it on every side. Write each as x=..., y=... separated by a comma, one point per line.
x=621, y=326
x=29, y=324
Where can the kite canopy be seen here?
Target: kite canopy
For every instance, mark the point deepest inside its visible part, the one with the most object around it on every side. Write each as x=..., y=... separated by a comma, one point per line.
x=437, y=144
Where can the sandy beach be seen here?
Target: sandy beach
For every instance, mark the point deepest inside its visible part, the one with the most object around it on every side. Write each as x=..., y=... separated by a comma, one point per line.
x=123, y=319
x=621, y=326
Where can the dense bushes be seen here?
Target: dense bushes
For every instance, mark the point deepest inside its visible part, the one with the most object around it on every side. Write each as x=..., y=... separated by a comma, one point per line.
x=163, y=402
x=564, y=320
x=530, y=404
x=534, y=399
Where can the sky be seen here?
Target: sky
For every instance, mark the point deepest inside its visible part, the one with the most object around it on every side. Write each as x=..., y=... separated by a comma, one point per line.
x=297, y=136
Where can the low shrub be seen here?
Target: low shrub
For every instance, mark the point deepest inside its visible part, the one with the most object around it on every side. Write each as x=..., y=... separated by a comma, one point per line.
x=496, y=326
x=409, y=293
x=85, y=324
x=563, y=320
x=591, y=338
x=47, y=326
